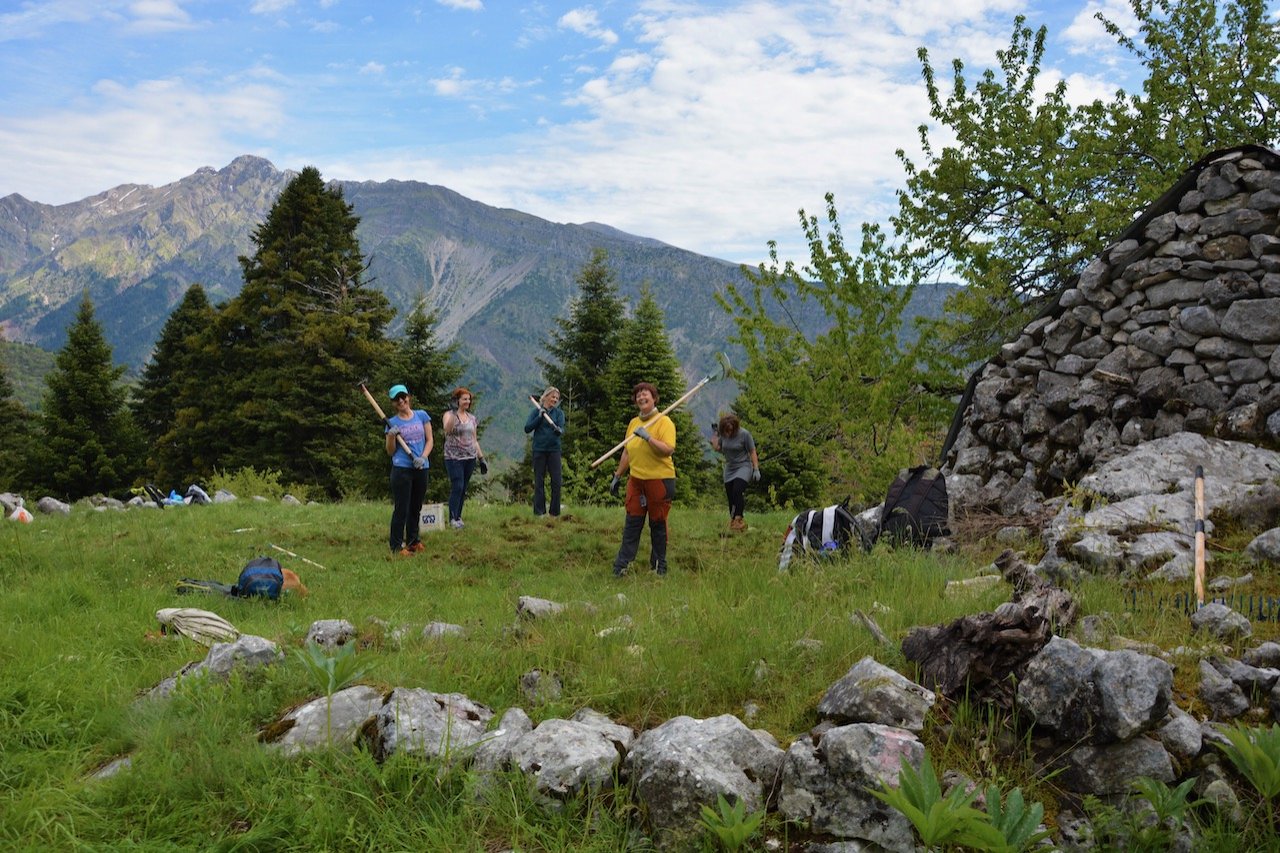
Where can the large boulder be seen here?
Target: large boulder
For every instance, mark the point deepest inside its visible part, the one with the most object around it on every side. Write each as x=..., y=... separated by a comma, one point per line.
x=432, y=725
x=871, y=692
x=1111, y=769
x=1139, y=516
x=330, y=721
x=1081, y=694
x=825, y=784
x=565, y=758
x=685, y=763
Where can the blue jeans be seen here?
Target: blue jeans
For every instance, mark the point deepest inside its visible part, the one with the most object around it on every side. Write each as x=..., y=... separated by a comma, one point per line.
x=459, y=471
x=546, y=462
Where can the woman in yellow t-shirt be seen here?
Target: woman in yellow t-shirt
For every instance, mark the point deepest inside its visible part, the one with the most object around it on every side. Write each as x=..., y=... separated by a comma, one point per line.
x=651, y=486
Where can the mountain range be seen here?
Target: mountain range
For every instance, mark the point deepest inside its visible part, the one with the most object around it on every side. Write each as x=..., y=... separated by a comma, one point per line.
x=498, y=277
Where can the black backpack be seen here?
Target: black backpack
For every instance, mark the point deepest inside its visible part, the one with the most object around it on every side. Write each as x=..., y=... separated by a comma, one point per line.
x=915, y=509
x=825, y=532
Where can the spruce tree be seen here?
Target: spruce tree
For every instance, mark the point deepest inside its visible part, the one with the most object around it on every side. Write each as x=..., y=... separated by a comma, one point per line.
x=89, y=442
x=289, y=348
x=171, y=394
x=17, y=439
x=580, y=349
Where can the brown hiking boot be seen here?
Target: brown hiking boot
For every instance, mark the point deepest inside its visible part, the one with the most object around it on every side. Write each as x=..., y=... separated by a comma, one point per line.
x=417, y=547
x=737, y=524
x=404, y=552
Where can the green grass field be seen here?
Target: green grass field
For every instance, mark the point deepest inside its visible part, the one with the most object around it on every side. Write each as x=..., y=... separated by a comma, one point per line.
x=722, y=630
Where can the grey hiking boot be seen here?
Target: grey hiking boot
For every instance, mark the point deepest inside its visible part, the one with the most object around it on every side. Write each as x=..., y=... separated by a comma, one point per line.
x=619, y=571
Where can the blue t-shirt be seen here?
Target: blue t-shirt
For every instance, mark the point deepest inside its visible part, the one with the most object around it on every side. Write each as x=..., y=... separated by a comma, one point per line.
x=414, y=432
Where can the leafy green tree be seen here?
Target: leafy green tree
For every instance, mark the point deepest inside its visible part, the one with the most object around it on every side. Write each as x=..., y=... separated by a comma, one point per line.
x=580, y=349
x=172, y=394
x=290, y=345
x=17, y=438
x=1027, y=188
x=838, y=413
x=644, y=354
x=89, y=443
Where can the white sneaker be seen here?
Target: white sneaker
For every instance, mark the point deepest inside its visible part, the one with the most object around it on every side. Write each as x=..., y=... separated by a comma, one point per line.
x=457, y=524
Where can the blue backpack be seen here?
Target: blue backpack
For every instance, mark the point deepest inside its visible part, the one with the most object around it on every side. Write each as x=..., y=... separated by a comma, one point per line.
x=261, y=576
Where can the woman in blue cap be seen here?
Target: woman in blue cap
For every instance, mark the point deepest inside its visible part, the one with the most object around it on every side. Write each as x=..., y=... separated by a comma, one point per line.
x=408, y=470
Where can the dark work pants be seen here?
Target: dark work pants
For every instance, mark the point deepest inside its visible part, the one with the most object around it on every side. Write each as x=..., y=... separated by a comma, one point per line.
x=408, y=489
x=651, y=498
x=736, y=491
x=546, y=462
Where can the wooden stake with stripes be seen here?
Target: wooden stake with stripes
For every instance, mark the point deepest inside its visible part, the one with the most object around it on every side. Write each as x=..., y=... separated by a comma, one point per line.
x=1199, y=536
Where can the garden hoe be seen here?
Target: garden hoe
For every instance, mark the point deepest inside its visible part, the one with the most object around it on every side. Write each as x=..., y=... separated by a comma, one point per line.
x=418, y=461
x=723, y=372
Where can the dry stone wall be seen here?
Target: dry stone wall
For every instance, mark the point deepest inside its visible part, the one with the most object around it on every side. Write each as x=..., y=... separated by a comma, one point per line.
x=1174, y=327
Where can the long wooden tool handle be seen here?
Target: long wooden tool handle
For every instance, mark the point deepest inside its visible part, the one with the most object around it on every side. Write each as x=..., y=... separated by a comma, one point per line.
x=291, y=554
x=620, y=444
x=399, y=438
x=1199, y=536
x=545, y=416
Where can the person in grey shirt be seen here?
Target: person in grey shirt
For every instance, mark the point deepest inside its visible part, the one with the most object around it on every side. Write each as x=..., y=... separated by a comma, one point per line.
x=741, y=465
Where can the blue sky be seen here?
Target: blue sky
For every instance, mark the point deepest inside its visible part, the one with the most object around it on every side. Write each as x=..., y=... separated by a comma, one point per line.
x=706, y=124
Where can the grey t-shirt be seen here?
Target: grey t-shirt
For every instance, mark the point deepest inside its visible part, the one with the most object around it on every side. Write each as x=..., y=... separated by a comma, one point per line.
x=737, y=455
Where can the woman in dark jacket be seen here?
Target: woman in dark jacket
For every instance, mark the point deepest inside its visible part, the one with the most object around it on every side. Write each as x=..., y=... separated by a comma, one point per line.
x=546, y=423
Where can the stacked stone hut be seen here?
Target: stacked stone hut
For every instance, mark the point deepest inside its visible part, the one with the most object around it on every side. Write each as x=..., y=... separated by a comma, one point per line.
x=1174, y=327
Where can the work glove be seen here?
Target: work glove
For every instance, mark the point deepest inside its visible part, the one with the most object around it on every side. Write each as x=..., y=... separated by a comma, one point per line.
x=484, y=466
x=642, y=433
x=755, y=475
x=393, y=431
x=614, y=485
x=557, y=429
x=419, y=462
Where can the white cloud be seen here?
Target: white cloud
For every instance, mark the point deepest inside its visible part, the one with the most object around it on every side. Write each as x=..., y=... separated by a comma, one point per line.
x=586, y=21
x=153, y=132
x=1086, y=34
x=34, y=18
x=270, y=7
x=704, y=124
x=456, y=84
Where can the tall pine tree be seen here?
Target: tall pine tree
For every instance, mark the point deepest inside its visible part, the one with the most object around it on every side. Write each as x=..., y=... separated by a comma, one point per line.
x=17, y=439
x=289, y=348
x=171, y=395
x=580, y=349
x=89, y=442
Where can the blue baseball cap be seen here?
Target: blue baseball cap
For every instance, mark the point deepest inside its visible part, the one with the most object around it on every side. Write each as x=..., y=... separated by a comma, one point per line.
x=397, y=390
